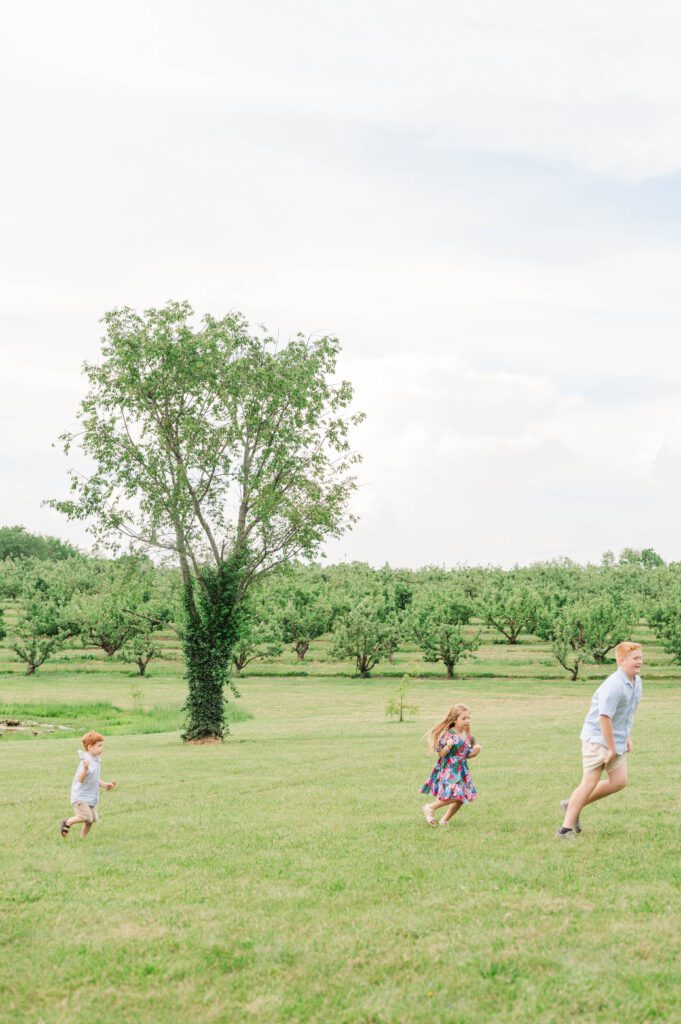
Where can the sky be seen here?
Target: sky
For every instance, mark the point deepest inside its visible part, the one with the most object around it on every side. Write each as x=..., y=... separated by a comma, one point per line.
x=483, y=202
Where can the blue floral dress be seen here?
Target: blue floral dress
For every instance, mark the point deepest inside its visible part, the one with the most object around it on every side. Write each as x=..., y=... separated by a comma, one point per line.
x=450, y=778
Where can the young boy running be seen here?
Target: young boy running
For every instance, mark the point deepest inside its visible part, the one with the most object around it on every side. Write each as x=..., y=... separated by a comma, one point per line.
x=86, y=786
x=606, y=737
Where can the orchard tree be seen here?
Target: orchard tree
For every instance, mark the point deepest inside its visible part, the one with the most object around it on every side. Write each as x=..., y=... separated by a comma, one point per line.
x=122, y=609
x=44, y=623
x=255, y=640
x=366, y=634
x=587, y=629
x=140, y=649
x=220, y=448
x=437, y=621
x=299, y=603
x=259, y=629
x=665, y=620
x=510, y=605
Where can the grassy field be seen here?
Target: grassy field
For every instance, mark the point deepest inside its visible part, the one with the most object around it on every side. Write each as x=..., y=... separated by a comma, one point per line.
x=288, y=875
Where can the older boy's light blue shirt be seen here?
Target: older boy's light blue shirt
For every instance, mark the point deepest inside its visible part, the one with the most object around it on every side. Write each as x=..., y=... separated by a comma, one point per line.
x=618, y=697
x=87, y=791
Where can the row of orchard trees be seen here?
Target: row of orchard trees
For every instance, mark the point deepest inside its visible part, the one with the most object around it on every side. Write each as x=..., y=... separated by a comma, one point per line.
x=121, y=605
x=582, y=612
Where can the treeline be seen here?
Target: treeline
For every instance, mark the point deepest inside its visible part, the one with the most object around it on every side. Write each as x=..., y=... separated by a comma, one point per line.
x=121, y=606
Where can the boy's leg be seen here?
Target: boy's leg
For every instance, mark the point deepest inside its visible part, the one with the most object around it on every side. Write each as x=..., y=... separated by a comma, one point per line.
x=581, y=795
x=66, y=824
x=615, y=781
x=85, y=829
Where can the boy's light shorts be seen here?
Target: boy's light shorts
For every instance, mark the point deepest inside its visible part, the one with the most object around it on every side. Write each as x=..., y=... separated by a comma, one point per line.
x=594, y=755
x=86, y=812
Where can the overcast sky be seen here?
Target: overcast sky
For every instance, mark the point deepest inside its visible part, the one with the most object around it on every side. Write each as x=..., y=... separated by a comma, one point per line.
x=482, y=201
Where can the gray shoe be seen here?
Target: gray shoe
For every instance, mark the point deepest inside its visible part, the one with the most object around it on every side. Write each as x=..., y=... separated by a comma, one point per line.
x=578, y=824
x=567, y=834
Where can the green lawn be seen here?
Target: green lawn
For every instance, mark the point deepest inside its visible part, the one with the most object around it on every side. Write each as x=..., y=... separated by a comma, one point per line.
x=288, y=875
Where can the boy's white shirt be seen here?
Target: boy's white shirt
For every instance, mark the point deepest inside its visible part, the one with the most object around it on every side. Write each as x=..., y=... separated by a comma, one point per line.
x=88, y=789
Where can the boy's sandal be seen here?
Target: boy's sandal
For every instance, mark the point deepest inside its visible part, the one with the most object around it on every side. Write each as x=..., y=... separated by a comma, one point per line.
x=64, y=831
x=429, y=815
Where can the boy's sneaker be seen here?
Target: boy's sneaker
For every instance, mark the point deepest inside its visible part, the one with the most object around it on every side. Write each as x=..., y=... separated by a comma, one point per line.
x=578, y=824
x=565, y=833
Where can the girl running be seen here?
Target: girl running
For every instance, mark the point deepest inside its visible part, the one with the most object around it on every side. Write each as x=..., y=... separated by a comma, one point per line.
x=450, y=781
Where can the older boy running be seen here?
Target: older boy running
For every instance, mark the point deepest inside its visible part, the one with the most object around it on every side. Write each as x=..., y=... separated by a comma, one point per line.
x=606, y=737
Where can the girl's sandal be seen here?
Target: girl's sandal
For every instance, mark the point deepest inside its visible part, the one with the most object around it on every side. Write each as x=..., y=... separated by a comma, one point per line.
x=444, y=821
x=429, y=815
x=64, y=831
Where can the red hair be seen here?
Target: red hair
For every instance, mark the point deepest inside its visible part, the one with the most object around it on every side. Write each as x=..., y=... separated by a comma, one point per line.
x=90, y=738
x=625, y=648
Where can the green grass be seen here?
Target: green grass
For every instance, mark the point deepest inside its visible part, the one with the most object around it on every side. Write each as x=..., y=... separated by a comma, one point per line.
x=288, y=875
x=75, y=719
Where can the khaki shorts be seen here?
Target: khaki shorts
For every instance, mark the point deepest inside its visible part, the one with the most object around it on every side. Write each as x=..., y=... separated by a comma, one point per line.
x=594, y=755
x=85, y=811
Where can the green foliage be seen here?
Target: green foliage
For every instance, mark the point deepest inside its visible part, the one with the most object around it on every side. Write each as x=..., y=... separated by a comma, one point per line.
x=509, y=604
x=645, y=559
x=221, y=447
x=397, y=707
x=17, y=542
x=436, y=623
x=587, y=629
x=665, y=619
x=126, y=605
x=140, y=649
x=258, y=632
x=366, y=634
x=297, y=600
x=213, y=611
x=46, y=590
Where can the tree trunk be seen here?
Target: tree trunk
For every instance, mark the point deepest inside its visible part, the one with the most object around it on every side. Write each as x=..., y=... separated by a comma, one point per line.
x=212, y=611
x=364, y=665
x=450, y=670
x=301, y=649
x=30, y=669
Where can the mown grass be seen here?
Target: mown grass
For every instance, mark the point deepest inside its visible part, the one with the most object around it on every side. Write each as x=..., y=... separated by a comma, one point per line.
x=288, y=874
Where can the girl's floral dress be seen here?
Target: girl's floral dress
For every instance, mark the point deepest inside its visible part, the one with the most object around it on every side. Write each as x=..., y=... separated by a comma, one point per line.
x=450, y=778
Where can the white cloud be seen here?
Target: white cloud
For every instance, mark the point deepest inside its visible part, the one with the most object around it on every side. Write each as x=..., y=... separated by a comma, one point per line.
x=469, y=197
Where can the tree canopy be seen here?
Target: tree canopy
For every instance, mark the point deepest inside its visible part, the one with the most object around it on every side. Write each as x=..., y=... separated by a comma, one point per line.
x=17, y=542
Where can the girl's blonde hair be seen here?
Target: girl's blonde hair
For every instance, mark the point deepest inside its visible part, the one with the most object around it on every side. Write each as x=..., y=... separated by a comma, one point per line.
x=433, y=735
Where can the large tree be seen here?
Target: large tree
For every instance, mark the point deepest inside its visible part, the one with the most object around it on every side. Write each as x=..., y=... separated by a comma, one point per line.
x=219, y=447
